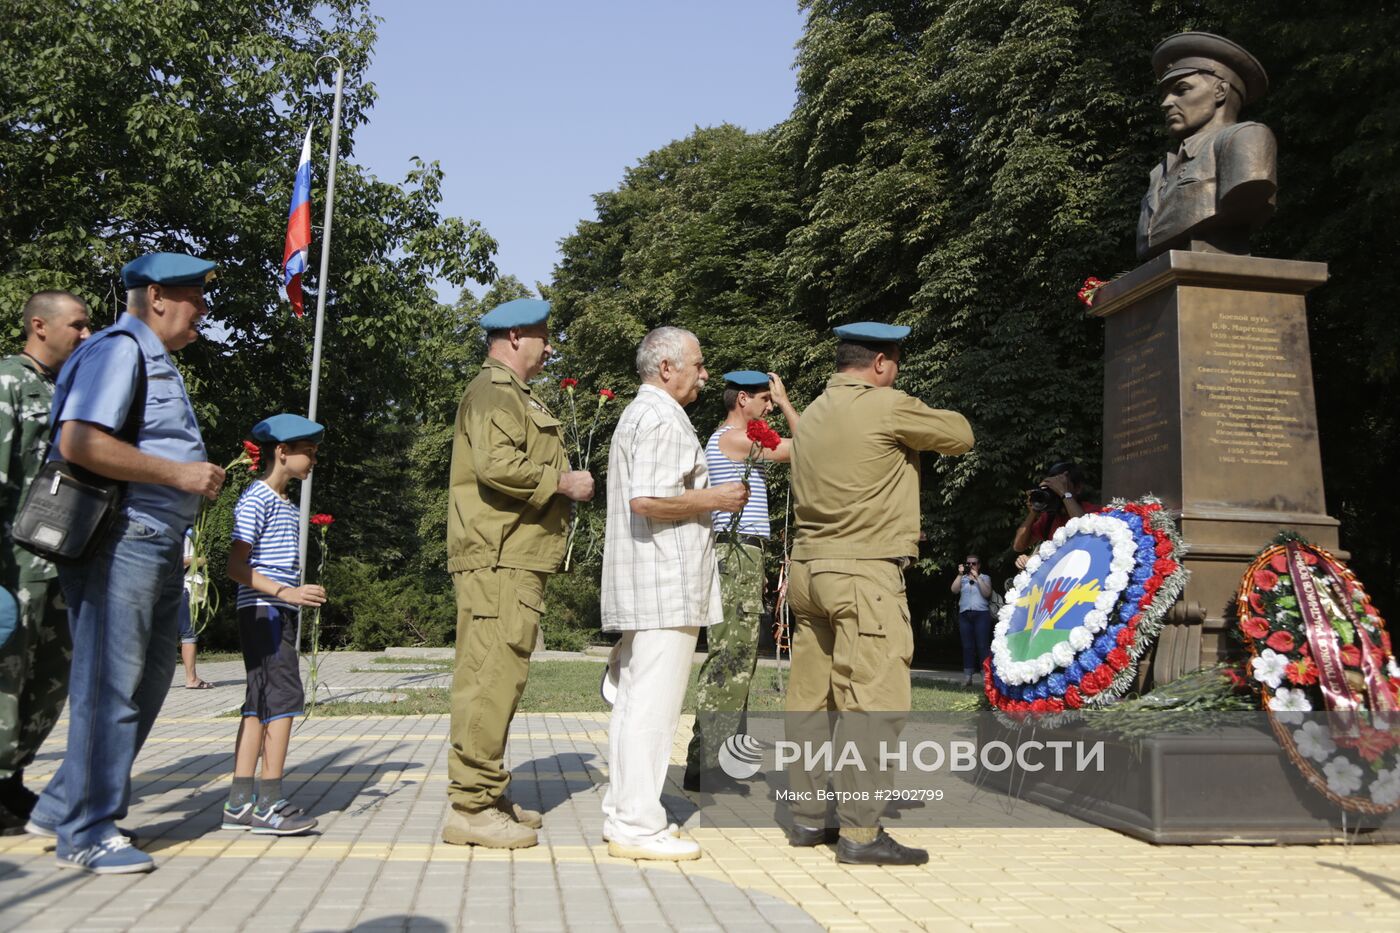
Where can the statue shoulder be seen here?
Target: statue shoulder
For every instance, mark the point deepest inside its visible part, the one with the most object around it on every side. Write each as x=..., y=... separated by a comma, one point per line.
x=1245, y=135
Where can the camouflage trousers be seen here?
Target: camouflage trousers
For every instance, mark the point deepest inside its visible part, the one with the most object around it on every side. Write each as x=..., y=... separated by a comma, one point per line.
x=33, y=673
x=722, y=689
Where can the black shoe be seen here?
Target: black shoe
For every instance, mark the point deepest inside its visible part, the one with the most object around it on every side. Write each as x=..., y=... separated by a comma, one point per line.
x=17, y=798
x=712, y=782
x=804, y=837
x=883, y=851
x=11, y=824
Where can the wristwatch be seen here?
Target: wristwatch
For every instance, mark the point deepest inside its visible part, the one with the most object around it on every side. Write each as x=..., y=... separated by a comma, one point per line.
x=1068, y=495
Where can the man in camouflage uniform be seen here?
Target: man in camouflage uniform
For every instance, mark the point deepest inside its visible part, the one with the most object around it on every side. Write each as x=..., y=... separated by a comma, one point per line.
x=722, y=689
x=34, y=660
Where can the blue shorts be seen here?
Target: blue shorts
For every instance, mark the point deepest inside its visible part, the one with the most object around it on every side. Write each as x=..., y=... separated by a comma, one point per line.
x=187, y=634
x=269, y=638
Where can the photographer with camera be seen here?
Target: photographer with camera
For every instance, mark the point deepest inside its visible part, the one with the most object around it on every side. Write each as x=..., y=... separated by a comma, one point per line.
x=1052, y=503
x=974, y=592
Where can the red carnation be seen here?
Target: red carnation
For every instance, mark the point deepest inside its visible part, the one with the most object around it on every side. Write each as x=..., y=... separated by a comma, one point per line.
x=1279, y=562
x=1055, y=706
x=607, y=394
x=1236, y=679
x=1266, y=580
x=1302, y=671
x=1117, y=659
x=1164, y=566
x=1073, y=699
x=760, y=433
x=1090, y=288
x=1255, y=627
x=568, y=384
x=1281, y=642
x=254, y=453
x=1125, y=637
x=1163, y=548
x=1040, y=706
x=1351, y=656
x=321, y=518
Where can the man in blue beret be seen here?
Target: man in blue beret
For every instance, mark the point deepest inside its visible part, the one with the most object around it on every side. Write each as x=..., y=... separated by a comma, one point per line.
x=121, y=411
x=731, y=655
x=855, y=486
x=511, y=488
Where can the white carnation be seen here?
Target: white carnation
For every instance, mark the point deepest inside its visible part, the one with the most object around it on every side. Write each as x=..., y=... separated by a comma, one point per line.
x=1116, y=582
x=1269, y=667
x=1062, y=653
x=1343, y=777
x=1080, y=638
x=1022, y=580
x=1046, y=549
x=1075, y=525
x=1058, y=538
x=1106, y=602
x=1314, y=741
x=1095, y=621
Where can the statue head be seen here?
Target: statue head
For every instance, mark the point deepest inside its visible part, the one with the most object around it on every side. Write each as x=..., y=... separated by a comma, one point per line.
x=1204, y=80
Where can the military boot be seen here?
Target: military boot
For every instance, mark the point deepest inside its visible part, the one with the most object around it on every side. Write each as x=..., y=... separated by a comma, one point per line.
x=490, y=828
x=521, y=815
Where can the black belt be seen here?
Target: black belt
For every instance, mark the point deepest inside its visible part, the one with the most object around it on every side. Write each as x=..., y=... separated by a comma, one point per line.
x=752, y=540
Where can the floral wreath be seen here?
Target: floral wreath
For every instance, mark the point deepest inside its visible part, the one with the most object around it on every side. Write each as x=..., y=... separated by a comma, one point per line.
x=1317, y=643
x=1096, y=661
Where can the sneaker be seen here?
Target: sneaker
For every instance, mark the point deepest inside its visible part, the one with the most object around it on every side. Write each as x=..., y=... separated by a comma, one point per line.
x=112, y=856
x=280, y=819
x=490, y=828
x=525, y=817
x=35, y=828
x=238, y=817
x=669, y=847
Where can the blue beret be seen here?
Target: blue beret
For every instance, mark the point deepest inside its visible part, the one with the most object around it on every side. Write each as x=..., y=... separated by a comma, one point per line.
x=522, y=312
x=285, y=428
x=167, y=269
x=747, y=379
x=872, y=332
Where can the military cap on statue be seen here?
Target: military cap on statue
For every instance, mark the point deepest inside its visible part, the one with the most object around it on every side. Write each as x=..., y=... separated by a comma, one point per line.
x=522, y=312
x=871, y=332
x=167, y=269
x=286, y=428
x=747, y=379
x=1189, y=53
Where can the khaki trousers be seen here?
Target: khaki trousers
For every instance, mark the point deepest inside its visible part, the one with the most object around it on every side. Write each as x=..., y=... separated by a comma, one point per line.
x=851, y=649
x=498, y=620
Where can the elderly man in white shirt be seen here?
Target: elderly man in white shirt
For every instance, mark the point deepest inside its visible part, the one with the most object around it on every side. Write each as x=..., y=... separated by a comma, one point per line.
x=660, y=585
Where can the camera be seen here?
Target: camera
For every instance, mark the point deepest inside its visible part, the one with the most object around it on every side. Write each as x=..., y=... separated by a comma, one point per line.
x=1044, y=499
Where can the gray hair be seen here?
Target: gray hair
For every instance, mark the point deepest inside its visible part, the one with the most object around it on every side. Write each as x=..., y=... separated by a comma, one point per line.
x=663, y=343
x=136, y=299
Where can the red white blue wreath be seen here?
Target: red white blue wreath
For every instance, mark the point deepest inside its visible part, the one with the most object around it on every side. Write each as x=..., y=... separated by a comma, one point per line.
x=1085, y=609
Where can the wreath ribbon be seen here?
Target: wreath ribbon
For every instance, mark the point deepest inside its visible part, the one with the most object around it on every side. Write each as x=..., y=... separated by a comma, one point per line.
x=1326, y=647
x=1383, y=699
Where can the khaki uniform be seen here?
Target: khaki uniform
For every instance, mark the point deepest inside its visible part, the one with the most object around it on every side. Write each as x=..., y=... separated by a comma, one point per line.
x=855, y=482
x=505, y=535
x=34, y=662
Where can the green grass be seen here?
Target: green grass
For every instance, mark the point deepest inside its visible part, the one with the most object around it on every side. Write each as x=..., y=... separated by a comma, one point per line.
x=572, y=687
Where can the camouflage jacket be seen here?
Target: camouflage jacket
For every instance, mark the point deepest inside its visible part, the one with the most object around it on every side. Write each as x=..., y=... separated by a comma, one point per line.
x=26, y=394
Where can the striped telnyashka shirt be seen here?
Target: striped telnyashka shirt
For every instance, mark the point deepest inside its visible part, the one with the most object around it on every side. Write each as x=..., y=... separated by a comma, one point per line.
x=753, y=520
x=269, y=523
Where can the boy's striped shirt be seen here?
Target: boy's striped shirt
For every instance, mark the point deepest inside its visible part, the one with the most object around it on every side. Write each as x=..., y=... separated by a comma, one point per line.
x=269, y=523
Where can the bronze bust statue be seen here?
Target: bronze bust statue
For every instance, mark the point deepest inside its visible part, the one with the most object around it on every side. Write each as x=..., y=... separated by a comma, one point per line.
x=1219, y=183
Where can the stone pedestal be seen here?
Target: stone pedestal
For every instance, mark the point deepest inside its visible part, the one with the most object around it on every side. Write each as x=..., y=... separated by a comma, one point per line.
x=1208, y=404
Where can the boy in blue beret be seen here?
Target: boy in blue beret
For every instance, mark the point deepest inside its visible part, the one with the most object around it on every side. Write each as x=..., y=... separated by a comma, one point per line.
x=264, y=562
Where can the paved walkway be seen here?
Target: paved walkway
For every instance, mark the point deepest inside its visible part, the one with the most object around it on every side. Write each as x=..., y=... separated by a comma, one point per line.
x=378, y=785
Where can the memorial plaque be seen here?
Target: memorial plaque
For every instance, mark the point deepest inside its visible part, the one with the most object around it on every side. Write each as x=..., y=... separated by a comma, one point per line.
x=1208, y=404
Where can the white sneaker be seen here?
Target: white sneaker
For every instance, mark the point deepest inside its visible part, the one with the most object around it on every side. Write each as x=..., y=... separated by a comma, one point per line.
x=667, y=848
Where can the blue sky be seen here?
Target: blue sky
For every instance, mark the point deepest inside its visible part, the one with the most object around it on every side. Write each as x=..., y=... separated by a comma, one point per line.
x=533, y=106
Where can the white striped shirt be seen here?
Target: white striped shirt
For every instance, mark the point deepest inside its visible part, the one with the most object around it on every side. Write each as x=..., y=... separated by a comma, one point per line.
x=656, y=574
x=753, y=520
x=269, y=523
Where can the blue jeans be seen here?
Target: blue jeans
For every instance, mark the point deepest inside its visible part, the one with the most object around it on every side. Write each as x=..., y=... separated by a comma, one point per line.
x=123, y=606
x=975, y=629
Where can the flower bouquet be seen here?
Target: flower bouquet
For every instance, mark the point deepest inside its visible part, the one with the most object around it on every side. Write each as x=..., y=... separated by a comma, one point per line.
x=761, y=437
x=1317, y=644
x=1086, y=608
x=203, y=595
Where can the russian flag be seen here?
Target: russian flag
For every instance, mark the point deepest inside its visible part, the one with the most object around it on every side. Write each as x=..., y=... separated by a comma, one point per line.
x=298, y=245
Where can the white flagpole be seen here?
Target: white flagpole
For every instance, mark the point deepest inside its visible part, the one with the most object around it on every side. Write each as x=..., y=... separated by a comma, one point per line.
x=322, y=287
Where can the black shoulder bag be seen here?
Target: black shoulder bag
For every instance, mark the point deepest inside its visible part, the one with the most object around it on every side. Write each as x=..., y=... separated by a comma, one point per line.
x=68, y=509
